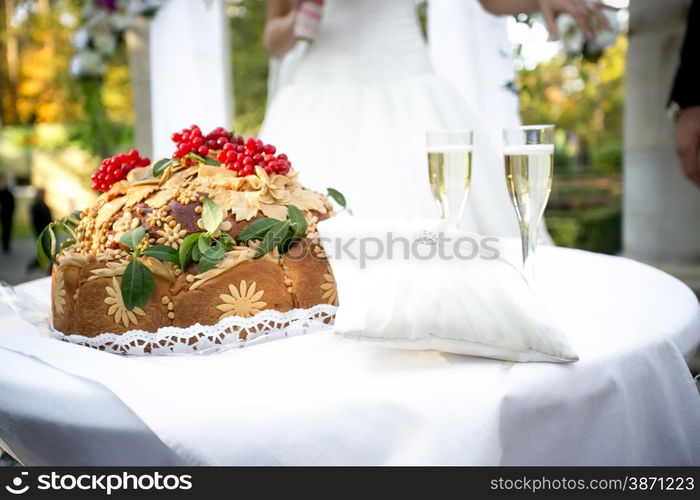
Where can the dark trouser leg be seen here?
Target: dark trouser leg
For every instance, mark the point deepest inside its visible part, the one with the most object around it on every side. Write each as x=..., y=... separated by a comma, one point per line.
x=6, y=234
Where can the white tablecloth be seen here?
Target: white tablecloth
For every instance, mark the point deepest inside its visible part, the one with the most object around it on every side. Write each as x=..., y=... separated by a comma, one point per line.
x=317, y=399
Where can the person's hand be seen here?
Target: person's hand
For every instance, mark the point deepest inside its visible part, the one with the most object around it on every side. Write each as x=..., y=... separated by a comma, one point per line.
x=584, y=12
x=688, y=142
x=278, y=36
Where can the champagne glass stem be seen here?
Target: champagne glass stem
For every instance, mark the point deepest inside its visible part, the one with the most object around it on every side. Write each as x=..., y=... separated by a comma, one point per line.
x=528, y=238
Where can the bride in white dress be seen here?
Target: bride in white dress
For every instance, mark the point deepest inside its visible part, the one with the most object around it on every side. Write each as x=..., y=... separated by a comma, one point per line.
x=355, y=113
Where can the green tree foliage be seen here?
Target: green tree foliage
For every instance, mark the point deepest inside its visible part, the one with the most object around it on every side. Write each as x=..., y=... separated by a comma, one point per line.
x=250, y=63
x=36, y=85
x=582, y=97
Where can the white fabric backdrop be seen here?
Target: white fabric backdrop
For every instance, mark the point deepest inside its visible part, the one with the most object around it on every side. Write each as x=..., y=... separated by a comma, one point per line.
x=190, y=70
x=470, y=49
x=321, y=400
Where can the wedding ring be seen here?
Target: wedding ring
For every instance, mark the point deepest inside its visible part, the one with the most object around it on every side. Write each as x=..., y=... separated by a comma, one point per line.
x=426, y=238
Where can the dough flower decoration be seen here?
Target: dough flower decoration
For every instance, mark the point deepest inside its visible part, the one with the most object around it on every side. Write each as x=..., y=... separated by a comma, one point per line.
x=242, y=301
x=123, y=224
x=60, y=297
x=117, y=309
x=273, y=189
x=330, y=291
x=171, y=236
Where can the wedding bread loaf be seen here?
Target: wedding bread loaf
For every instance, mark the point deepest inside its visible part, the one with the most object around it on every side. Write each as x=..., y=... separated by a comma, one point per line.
x=223, y=228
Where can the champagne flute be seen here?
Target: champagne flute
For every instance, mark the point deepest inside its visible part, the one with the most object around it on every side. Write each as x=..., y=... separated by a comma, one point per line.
x=529, y=162
x=450, y=171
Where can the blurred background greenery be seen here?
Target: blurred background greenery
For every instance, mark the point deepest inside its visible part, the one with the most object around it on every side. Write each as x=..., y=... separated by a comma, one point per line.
x=45, y=127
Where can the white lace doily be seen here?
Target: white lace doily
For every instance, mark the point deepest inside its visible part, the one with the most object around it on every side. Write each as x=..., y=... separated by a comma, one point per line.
x=230, y=332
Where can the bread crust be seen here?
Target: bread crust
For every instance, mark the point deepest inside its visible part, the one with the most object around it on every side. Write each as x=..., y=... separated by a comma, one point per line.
x=85, y=284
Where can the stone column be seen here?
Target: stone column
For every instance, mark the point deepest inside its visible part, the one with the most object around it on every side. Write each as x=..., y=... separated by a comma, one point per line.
x=661, y=207
x=137, y=42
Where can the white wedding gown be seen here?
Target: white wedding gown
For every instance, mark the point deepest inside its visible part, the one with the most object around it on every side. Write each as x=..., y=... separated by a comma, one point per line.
x=354, y=115
x=470, y=48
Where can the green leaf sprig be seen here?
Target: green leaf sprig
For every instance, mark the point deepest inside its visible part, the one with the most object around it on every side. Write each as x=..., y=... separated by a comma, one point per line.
x=161, y=165
x=339, y=198
x=212, y=216
x=203, y=159
x=208, y=247
x=137, y=282
x=56, y=236
x=275, y=233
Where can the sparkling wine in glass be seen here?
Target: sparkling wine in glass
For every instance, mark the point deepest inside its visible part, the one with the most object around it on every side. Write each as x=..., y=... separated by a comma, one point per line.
x=529, y=162
x=450, y=171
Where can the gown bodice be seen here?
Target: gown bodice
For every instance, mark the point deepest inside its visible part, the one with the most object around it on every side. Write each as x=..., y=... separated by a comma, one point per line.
x=365, y=40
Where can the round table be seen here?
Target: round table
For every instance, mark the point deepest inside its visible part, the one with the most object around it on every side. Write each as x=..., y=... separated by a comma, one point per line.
x=317, y=399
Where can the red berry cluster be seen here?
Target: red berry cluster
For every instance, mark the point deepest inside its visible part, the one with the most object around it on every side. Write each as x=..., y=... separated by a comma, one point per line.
x=191, y=140
x=243, y=156
x=116, y=168
x=236, y=153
